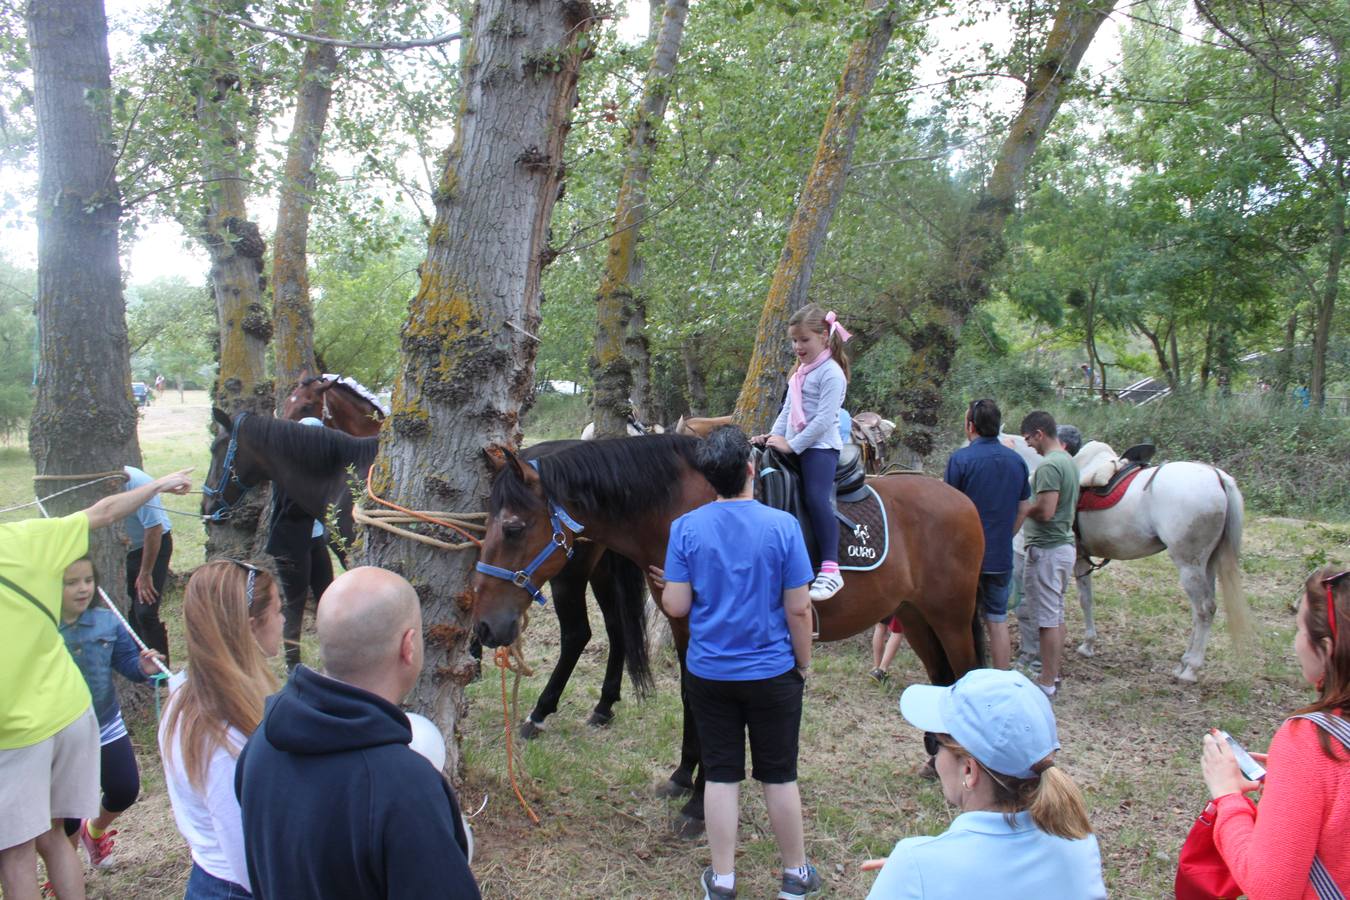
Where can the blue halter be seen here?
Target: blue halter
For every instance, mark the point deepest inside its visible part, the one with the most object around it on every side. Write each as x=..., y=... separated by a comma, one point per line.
x=227, y=476
x=557, y=517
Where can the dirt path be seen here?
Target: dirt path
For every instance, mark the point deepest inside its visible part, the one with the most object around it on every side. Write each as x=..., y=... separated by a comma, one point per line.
x=170, y=417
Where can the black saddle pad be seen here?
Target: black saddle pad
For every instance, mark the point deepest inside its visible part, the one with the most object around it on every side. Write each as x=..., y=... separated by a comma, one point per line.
x=864, y=536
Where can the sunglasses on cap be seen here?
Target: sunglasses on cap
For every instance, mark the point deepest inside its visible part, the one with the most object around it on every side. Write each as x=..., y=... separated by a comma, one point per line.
x=931, y=744
x=1330, y=583
x=248, y=585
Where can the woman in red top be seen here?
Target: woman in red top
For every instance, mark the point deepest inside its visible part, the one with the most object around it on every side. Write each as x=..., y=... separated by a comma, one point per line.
x=1304, y=807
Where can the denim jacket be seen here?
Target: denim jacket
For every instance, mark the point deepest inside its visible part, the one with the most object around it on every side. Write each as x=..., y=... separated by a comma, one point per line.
x=99, y=644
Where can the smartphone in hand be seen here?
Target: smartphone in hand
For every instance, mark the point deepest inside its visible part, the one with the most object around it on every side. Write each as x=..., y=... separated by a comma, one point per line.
x=1251, y=769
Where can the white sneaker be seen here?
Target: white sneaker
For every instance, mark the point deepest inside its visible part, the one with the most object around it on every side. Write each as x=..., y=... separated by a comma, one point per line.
x=826, y=585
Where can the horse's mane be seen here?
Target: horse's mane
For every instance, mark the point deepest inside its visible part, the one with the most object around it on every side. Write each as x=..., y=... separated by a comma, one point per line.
x=620, y=477
x=321, y=449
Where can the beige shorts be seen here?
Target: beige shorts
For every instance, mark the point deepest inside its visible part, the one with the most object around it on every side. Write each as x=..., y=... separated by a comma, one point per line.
x=54, y=779
x=1045, y=581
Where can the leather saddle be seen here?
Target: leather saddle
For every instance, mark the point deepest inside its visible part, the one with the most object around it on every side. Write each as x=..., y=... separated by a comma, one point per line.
x=778, y=484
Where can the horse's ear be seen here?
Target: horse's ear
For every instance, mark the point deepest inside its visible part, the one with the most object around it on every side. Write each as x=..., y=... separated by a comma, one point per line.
x=322, y=385
x=222, y=419
x=495, y=456
x=304, y=373
x=514, y=462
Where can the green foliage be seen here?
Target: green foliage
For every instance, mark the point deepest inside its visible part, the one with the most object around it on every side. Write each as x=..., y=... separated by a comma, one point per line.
x=18, y=350
x=556, y=417
x=1288, y=460
x=169, y=324
x=360, y=282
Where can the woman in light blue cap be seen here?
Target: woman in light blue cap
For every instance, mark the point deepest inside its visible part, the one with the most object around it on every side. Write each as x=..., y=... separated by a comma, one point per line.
x=1023, y=831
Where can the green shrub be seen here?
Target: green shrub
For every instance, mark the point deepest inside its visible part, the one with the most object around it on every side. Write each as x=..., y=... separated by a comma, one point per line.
x=556, y=417
x=1288, y=460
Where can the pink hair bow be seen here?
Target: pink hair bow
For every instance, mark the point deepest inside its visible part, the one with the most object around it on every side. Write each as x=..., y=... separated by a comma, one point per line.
x=836, y=325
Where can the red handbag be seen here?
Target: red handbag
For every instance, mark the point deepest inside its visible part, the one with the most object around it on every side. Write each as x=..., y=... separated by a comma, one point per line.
x=1201, y=872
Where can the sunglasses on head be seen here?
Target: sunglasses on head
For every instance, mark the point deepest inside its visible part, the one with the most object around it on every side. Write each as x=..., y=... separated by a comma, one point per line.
x=248, y=585
x=1330, y=583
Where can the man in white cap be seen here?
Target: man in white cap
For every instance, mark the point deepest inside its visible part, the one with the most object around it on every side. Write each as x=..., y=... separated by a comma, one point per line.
x=1023, y=832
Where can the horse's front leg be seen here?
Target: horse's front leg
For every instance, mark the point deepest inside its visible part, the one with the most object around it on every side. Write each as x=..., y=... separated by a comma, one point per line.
x=1199, y=588
x=569, y=602
x=1082, y=572
x=612, y=687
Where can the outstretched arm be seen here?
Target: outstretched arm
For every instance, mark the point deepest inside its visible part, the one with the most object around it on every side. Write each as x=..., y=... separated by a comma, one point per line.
x=118, y=506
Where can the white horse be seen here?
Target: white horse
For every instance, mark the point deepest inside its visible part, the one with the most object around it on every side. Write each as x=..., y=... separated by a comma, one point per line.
x=1194, y=512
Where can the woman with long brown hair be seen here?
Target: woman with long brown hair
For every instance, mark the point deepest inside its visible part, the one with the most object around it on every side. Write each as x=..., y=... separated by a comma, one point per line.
x=1293, y=844
x=1023, y=831
x=232, y=621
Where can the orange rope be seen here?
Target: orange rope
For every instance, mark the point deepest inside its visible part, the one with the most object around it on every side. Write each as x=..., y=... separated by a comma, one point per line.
x=503, y=660
x=422, y=517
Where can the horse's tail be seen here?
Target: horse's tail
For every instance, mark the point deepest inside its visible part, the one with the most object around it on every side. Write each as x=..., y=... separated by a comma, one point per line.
x=1224, y=563
x=977, y=629
x=631, y=585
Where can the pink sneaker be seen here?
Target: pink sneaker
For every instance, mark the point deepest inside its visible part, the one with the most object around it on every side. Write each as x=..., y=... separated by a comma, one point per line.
x=99, y=850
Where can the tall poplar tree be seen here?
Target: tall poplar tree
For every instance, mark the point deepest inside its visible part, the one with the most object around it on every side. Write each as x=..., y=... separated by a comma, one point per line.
x=468, y=346
x=84, y=421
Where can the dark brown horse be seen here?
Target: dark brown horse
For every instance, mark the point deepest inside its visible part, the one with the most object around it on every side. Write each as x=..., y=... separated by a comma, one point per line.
x=625, y=493
x=336, y=403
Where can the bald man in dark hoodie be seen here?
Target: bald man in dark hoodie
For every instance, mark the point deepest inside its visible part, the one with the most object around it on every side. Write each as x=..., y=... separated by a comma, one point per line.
x=334, y=801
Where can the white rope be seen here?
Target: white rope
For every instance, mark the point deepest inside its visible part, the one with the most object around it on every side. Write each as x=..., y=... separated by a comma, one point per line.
x=39, y=501
x=108, y=602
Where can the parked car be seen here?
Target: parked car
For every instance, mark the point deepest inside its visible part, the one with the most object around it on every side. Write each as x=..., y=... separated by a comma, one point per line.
x=140, y=393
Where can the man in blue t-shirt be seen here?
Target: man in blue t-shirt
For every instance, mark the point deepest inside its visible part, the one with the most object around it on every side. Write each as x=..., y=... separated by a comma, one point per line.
x=740, y=572
x=995, y=479
x=148, y=555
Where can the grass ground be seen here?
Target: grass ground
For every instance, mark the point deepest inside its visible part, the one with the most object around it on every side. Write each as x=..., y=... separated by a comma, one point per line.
x=1131, y=736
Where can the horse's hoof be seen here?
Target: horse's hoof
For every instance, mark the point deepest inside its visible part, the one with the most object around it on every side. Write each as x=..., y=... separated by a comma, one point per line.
x=529, y=730
x=598, y=719
x=673, y=789
x=687, y=827
x=1185, y=674
x=1087, y=648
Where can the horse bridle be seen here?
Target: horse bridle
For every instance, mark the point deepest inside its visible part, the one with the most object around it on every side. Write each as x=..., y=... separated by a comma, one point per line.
x=227, y=475
x=521, y=578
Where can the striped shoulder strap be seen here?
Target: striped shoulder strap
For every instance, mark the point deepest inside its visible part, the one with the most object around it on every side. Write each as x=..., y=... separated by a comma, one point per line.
x=1322, y=882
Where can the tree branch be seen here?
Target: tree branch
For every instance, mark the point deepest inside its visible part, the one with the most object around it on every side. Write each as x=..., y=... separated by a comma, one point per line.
x=415, y=44
x=126, y=204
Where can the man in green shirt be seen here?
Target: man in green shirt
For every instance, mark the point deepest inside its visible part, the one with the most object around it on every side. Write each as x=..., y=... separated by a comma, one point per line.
x=1049, y=540
x=49, y=754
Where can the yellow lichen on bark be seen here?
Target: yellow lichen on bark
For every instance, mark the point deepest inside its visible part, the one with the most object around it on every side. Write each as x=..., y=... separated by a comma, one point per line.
x=442, y=310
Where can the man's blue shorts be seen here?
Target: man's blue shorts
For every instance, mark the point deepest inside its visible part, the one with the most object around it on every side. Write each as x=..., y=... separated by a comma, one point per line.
x=992, y=595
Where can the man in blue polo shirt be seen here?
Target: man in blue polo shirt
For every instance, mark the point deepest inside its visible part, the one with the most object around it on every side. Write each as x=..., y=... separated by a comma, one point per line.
x=995, y=479
x=148, y=555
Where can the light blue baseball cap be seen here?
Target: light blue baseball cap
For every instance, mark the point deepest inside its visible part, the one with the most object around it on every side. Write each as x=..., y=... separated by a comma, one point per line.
x=1003, y=719
x=311, y=422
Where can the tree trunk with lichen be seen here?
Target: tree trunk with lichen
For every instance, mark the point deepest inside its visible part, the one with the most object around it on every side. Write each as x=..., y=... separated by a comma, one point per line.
x=467, y=355
x=292, y=313
x=237, y=251
x=762, y=391
x=961, y=280
x=84, y=421
x=620, y=346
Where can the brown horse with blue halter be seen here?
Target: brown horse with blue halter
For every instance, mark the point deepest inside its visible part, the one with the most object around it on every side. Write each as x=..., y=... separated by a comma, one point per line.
x=623, y=494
